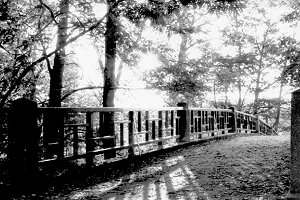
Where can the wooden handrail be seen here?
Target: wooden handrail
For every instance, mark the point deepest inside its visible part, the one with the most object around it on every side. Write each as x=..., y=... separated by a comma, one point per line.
x=106, y=109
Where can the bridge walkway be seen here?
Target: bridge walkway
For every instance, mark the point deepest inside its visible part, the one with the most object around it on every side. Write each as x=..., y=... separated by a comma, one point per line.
x=247, y=167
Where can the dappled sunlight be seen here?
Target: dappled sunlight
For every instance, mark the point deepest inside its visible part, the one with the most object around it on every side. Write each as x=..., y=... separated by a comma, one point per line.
x=176, y=182
x=178, y=179
x=96, y=190
x=216, y=174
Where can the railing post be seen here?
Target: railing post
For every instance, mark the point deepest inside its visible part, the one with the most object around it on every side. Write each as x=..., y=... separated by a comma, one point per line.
x=295, y=147
x=23, y=141
x=232, y=121
x=184, y=122
x=131, y=131
x=109, y=130
x=89, y=139
x=257, y=124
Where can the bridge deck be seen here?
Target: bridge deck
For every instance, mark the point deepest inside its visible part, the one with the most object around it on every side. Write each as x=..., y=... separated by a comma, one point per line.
x=253, y=167
x=249, y=167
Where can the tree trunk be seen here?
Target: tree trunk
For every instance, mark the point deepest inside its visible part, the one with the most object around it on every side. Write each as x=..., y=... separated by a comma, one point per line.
x=53, y=120
x=239, y=82
x=239, y=107
x=56, y=73
x=256, y=93
x=182, y=49
x=276, y=123
x=215, y=97
x=226, y=96
x=111, y=37
x=257, y=87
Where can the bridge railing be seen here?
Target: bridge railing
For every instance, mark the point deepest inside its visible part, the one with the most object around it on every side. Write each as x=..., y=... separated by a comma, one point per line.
x=101, y=135
x=85, y=133
x=247, y=123
x=108, y=134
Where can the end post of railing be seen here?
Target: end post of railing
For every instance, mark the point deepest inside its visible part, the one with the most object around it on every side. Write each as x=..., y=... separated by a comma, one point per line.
x=295, y=147
x=184, y=122
x=23, y=141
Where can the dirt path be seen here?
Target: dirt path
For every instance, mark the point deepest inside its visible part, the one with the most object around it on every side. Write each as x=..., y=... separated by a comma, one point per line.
x=254, y=167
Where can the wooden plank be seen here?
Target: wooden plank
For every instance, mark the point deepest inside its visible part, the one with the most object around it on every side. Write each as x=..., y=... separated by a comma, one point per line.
x=209, y=109
x=99, y=151
x=105, y=109
x=103, y=137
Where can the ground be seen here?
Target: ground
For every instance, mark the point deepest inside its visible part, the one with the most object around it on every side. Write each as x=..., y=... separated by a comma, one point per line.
x=248, y=167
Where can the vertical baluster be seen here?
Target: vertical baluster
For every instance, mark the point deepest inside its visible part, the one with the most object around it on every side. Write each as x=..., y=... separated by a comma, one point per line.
x=226, y=120
x=221, y=118
x=88, y=138
x=139, y=124
x=200, y=121
x=206, y=121
x=147, y=125
x=138, y=133
x=160, y=132
x=75, y=141
x=177, y=124
x=167, y=119
x=131, y=132
x=153, y=130
x=192, y=121
x=217, y=121
x=101, y=124
x=209, y=120
x=172, y=122
x=196, y=118
x=61, y=136
x=121, y=134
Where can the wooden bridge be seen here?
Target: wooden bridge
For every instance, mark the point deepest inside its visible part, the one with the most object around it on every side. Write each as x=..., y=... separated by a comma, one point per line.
x=103, y=135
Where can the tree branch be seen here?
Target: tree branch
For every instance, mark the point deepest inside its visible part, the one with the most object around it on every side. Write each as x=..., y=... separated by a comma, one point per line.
x=18, y=80
x=69, y=93
x=50, y=11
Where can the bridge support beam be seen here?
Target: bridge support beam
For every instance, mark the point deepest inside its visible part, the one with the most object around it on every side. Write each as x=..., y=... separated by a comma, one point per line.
x=295, y=147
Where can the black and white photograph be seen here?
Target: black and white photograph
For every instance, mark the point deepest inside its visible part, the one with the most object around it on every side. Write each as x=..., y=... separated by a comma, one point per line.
x=150, y=99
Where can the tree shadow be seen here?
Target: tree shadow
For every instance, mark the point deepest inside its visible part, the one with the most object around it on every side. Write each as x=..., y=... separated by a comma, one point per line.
x=170, y=179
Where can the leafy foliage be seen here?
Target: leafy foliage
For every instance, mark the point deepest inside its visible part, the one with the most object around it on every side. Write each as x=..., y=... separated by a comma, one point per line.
x=18, y=39
x=290, y=58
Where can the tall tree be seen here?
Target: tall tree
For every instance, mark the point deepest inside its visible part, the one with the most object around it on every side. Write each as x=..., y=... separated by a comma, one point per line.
x=236, y=36
x=19, y=46
x=56, y=73
x=265, y=50
x=134, y=11
x=111, y=38
x=182, y=76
